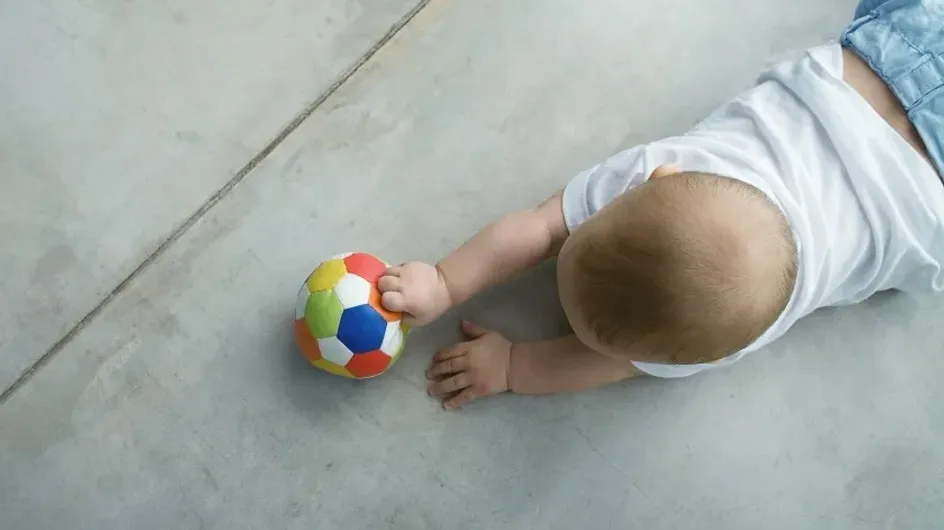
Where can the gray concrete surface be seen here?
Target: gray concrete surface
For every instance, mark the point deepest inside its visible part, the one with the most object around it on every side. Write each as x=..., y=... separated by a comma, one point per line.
x=119, y=119
x=185, y=405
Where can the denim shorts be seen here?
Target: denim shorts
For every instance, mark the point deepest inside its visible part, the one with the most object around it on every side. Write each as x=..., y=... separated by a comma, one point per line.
x=903, y=41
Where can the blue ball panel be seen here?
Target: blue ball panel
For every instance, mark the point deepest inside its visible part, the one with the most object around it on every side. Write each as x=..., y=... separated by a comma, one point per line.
x=362, y=329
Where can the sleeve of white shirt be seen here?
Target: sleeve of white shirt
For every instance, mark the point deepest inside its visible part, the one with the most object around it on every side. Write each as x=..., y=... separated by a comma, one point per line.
x=596, y=187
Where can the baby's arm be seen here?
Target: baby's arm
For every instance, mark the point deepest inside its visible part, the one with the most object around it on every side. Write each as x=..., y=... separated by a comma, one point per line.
x=487, y=363
x=501, y=250
x=512, y=244
x=563, y=365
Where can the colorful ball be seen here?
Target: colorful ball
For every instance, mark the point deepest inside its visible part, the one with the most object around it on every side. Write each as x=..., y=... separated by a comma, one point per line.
x=340, y=324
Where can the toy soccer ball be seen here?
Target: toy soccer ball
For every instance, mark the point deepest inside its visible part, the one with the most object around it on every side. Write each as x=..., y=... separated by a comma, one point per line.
x=340, y=324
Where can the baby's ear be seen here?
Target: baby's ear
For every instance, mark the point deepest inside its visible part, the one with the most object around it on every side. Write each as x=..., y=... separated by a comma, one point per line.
x=665, y=170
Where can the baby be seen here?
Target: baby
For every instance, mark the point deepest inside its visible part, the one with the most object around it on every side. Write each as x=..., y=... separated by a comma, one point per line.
x=818, y=187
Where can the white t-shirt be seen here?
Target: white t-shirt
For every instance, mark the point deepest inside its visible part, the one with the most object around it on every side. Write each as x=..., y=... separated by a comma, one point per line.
x=865, y=208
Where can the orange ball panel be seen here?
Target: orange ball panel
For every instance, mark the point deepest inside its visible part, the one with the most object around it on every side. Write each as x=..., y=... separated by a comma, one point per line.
x=374, y=301
x=306, y=343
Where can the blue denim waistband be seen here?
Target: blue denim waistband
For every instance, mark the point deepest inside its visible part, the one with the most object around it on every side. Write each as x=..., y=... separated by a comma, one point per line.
x=903, y=41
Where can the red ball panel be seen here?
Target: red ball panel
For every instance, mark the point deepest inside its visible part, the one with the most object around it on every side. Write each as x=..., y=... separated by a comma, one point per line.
x=368, y=364
x=365, y=266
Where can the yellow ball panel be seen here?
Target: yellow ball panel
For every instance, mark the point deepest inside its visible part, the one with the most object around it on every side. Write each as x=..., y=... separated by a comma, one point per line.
x=332, y=368
x=326, y=275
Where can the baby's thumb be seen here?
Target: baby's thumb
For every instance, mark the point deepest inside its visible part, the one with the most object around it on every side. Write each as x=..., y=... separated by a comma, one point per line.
x=394, y=301
x=472, y=331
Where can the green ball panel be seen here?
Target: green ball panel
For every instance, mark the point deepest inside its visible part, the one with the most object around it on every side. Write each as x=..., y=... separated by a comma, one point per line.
x=406, y=333
x=323, y=314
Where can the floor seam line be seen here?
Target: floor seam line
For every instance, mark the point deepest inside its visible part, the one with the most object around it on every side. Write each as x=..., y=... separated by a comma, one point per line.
x=30, y=372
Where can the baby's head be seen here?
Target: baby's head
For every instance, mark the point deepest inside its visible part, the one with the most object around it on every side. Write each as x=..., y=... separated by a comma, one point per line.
x=686, y=268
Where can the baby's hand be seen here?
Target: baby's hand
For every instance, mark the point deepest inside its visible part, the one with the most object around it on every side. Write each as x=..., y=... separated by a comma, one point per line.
x=416, y=289
x=470, y=370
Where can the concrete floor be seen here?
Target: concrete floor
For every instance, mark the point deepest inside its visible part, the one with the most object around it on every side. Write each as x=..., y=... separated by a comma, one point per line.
x=181, y=402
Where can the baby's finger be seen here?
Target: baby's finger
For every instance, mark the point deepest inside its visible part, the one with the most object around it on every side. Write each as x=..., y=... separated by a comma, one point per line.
x=452, y=384
x=394, y=271
x=446, y=397
x=389, y=283
x=394, y=301
x=449, y=352
x=448, y=367
x=460, y=399
x=472, y=331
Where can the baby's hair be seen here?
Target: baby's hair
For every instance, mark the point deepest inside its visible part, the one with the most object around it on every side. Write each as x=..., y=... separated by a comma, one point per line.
x=687, y=268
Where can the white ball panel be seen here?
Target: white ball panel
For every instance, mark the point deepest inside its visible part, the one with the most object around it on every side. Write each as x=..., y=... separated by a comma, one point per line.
x=335, y=351
x=352, y=290
x=300, y=302
x=393, y=338
x=342, y=256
